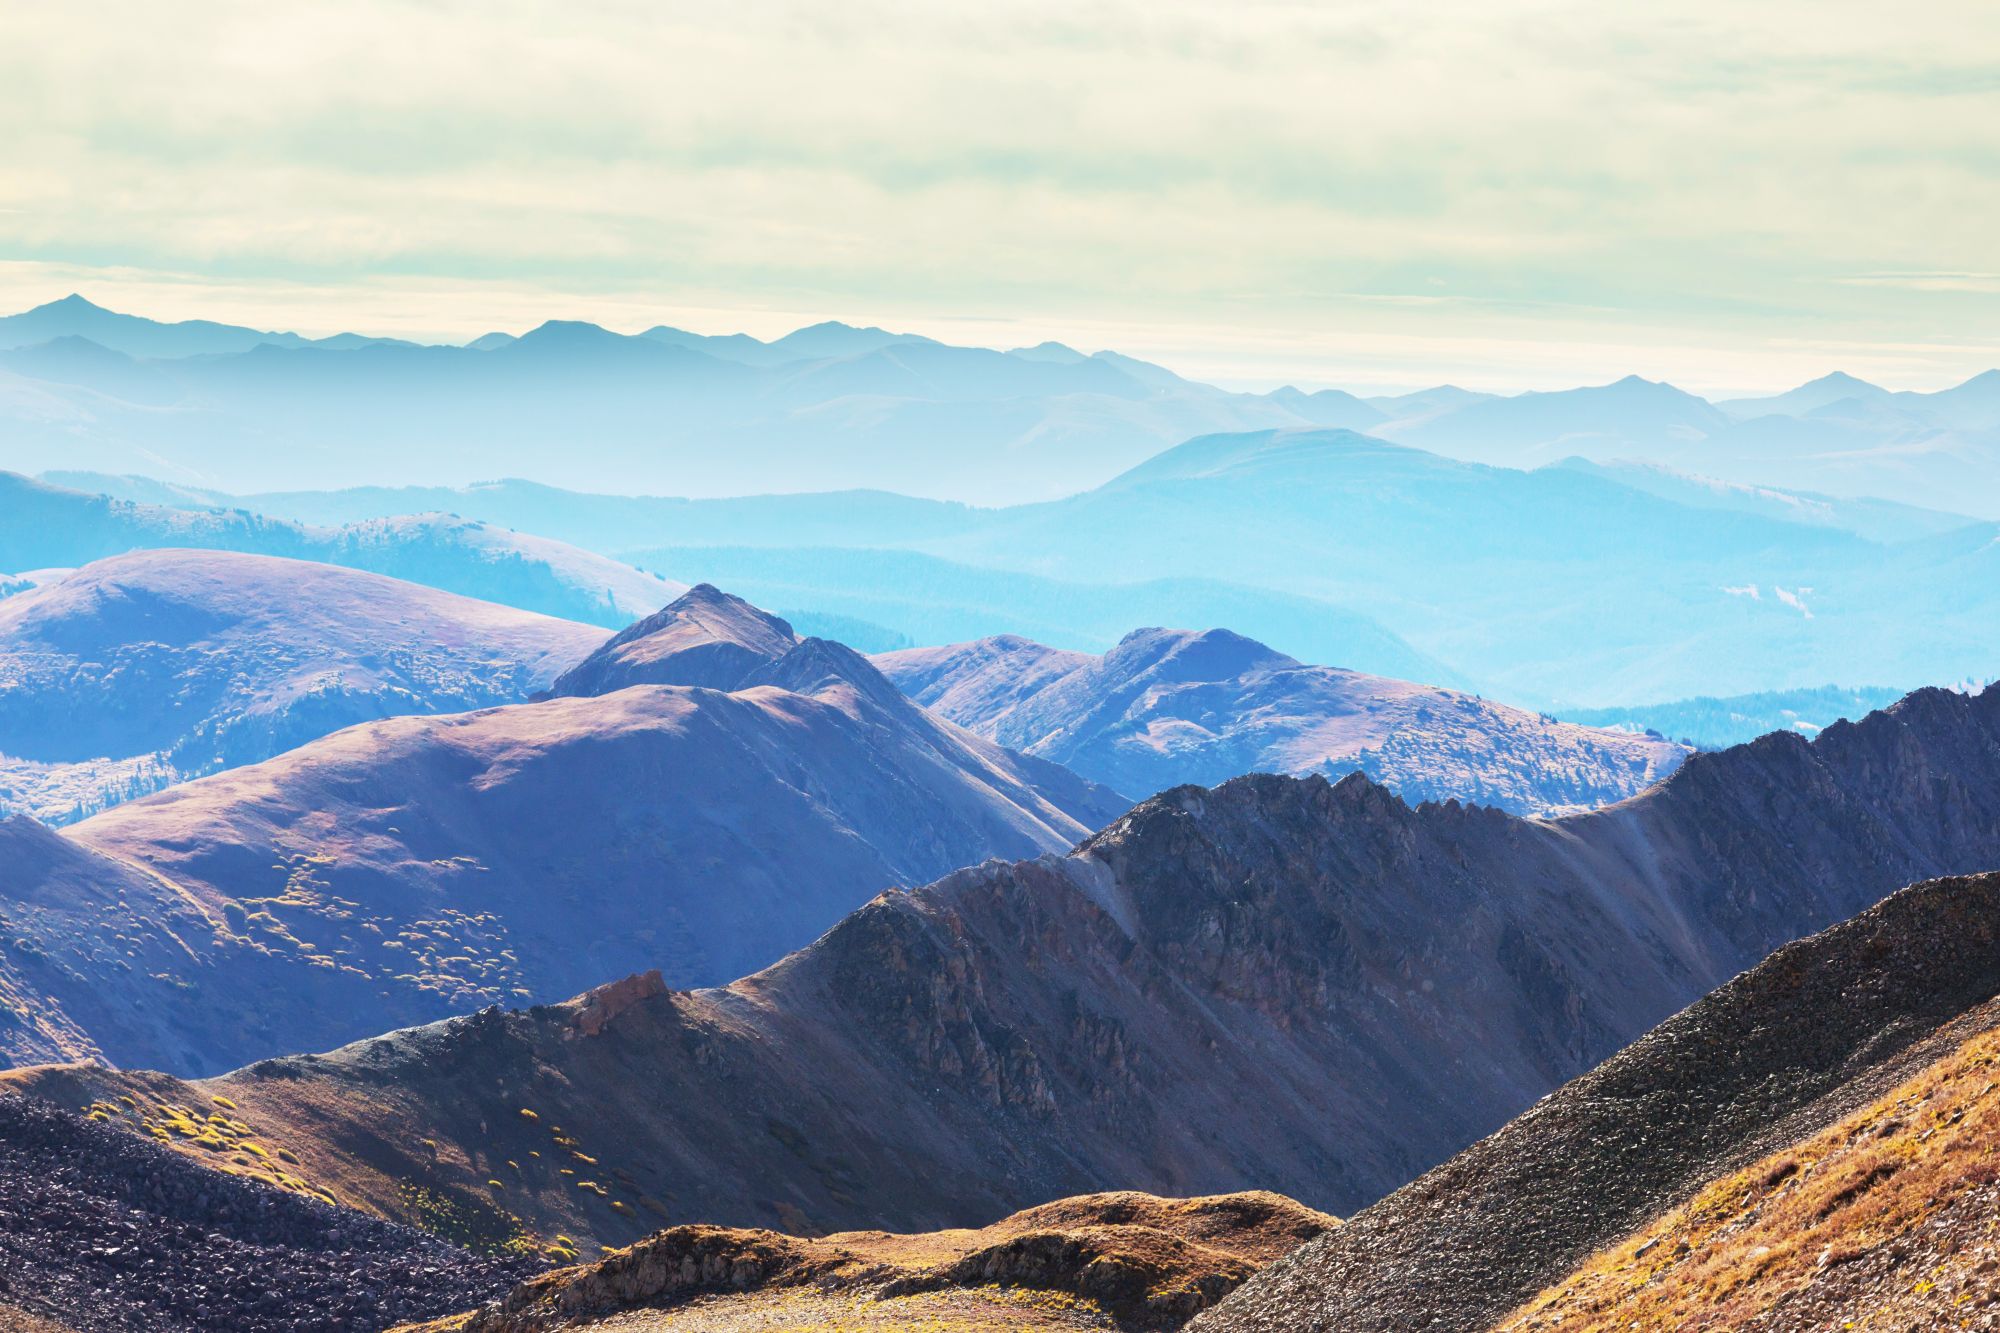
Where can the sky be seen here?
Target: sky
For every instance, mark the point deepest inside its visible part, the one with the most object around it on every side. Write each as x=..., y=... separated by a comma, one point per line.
x=1506, y=194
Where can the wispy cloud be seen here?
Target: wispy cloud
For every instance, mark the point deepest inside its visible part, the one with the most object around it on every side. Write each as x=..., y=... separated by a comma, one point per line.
x=1928, y=282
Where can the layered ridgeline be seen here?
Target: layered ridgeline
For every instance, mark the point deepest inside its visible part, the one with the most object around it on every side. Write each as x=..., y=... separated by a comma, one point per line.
x=700, y=822
x=1810, y=1146
x=1282, y=982
x=45, y=527
x=834, y=405
x=1661, y=596
x=140, y=670
x=829, y=405
x=1172, y=707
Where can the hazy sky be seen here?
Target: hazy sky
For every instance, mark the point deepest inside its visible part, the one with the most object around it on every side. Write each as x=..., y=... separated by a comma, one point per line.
x=1728, y=193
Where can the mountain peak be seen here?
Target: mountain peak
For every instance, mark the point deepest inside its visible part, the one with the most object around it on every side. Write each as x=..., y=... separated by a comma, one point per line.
x=705, y=637
x=1192, y=655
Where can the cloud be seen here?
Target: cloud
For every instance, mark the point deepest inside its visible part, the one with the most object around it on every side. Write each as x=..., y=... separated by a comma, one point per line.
x=1691, y=187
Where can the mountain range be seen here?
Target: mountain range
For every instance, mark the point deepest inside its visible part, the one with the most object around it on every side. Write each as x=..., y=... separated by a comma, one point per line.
x=1168, y=708
x=826, y=406
x=401, y=870
x=169, y=664
x=837, y=406
x=1308, y=985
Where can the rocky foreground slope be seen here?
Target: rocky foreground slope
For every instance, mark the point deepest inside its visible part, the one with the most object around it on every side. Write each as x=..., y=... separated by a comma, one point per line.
x=1276, y=983
x=1168, y=707
x=193, y=661
x=1811, y=1143
x=1124, y=1261
x=103, y=1233
x=400, y=871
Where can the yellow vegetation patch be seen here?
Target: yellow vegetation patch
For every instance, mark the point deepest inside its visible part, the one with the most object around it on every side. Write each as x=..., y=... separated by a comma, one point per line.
x=1789, y=1223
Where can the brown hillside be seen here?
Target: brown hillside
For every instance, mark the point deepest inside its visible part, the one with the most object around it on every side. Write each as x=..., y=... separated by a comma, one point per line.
x=1110, y=1260
x=1883, y=1220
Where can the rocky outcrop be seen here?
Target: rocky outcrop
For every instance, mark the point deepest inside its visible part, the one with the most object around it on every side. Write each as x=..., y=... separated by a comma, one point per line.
x=595, y=1008
x=1167, y=708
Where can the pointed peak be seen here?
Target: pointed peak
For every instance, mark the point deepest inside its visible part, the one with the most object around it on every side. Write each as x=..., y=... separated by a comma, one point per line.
x=705, y=637
x=1193, y=655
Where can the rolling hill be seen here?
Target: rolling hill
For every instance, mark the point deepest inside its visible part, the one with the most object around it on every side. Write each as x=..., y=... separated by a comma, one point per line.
x=406, y=869
x=187, y=662
x=44, y=527
x=1121, y=1261
x=1166, y=708
x=1311, y=986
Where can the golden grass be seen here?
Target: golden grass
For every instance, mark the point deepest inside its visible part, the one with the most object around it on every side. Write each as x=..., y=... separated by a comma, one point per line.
x=1764, y=1235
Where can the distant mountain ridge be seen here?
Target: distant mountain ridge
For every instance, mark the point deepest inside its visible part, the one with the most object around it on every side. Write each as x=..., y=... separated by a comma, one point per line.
x=1305, y=984
x=402, y=870
x=828, y=405
x=1168, y=708
x=833, y=405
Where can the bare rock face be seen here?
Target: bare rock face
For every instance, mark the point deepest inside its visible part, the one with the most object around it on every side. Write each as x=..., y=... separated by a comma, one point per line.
x=1274, y=982
x=1172, y=707
x=404, y=870
x=600, y=1006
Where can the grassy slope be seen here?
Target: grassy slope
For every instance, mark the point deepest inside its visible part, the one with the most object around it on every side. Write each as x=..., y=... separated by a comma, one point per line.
x=1883, y=1220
